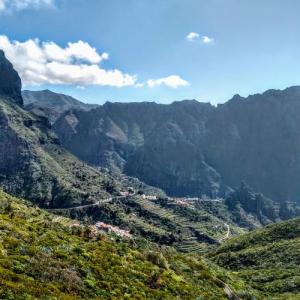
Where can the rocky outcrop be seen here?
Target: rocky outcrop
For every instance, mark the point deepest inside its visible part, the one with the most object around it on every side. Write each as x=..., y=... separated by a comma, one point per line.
x=10, y=82
x=249, y=208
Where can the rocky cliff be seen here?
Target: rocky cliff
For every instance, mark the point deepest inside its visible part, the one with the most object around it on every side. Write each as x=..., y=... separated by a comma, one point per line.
x=160, y=144
x=193, y=148
x=32, y=162
x=10, y=82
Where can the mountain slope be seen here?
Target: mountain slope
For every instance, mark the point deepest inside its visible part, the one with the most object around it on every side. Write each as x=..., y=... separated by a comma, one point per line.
x=255, y=139
x=192, y=148
x=43, y=256
x=33, y=164
x=51, y=105
x=10, y=83
x=267, y=258
x=159, y=144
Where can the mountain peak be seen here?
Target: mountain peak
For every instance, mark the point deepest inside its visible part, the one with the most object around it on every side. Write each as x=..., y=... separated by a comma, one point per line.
x=10, y=84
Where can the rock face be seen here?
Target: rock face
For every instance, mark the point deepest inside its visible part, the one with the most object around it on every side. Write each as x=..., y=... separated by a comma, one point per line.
x=52, y=105
x=159, y=144
x=34, y=165
x=192, y=148
x=256, y=139
x=10, y=82
x=32, y=162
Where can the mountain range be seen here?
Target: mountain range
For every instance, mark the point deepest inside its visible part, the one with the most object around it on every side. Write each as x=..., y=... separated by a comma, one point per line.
x=88, y=231
x=193, y=148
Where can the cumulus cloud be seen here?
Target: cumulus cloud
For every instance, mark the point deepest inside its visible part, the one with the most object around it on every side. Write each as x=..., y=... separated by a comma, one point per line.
x=173, y=81
x=48, y=63
x=194, y=37
x=10, y=5
x=207, y=40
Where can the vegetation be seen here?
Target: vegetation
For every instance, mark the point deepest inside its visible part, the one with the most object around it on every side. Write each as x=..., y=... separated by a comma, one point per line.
x=251, y=210
x=46, y=256
x=43, y=256
x=163, y=221
x=36, y=167
x=267, y=258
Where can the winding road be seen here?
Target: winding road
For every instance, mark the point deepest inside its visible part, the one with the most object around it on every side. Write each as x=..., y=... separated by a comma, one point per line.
x=108, y=200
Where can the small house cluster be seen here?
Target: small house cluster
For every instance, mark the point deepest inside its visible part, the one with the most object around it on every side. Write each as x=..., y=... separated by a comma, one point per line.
x=148, y=197
x=112, y=229
x=126, y=194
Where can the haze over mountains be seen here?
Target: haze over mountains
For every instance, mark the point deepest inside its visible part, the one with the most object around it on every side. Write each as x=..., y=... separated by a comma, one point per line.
x=192, y=148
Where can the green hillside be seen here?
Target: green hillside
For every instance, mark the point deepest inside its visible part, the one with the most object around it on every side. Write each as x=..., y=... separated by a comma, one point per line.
x=35, y=166
x=189, y=227
x=268, y=259
x=43, y=256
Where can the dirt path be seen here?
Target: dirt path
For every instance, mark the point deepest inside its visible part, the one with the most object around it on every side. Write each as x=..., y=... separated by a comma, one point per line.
x=226, y=236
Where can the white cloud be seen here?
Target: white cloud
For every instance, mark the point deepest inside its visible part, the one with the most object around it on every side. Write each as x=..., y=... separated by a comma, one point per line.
x=173, y=81
x=192, y=36
x=10, y=5
x=2, y=5
x=48, y=63
x=207, y=40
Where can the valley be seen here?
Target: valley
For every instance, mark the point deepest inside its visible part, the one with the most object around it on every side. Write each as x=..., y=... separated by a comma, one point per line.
x=83, y=225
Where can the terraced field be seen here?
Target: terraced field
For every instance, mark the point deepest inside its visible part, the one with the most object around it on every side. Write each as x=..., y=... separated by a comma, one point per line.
x=196, y=228
x=187, y=227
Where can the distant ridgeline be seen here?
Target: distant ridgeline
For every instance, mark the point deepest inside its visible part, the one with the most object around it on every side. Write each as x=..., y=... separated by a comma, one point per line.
x=190, y=148
x=161, y=144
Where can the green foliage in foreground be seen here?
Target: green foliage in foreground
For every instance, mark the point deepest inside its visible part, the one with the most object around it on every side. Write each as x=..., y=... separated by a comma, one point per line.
x=268, y=259
x=43, y=256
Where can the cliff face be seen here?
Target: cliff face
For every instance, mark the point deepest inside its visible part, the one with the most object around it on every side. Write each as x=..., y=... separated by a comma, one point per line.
x=160, y=144
x=32, y=162
x=256, y=139
x=192, y=148
x=10, y=82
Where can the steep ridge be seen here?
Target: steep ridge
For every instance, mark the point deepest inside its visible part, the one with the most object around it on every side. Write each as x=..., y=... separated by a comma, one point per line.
x=52, y=105
x=10, y=83
x=32, y=163
x=193, y=148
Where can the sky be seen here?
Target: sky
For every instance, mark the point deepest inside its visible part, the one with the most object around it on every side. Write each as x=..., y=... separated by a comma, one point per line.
x=153, y=50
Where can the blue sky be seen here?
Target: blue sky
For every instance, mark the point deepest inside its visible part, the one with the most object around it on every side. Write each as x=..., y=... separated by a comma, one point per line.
x=239, y=46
